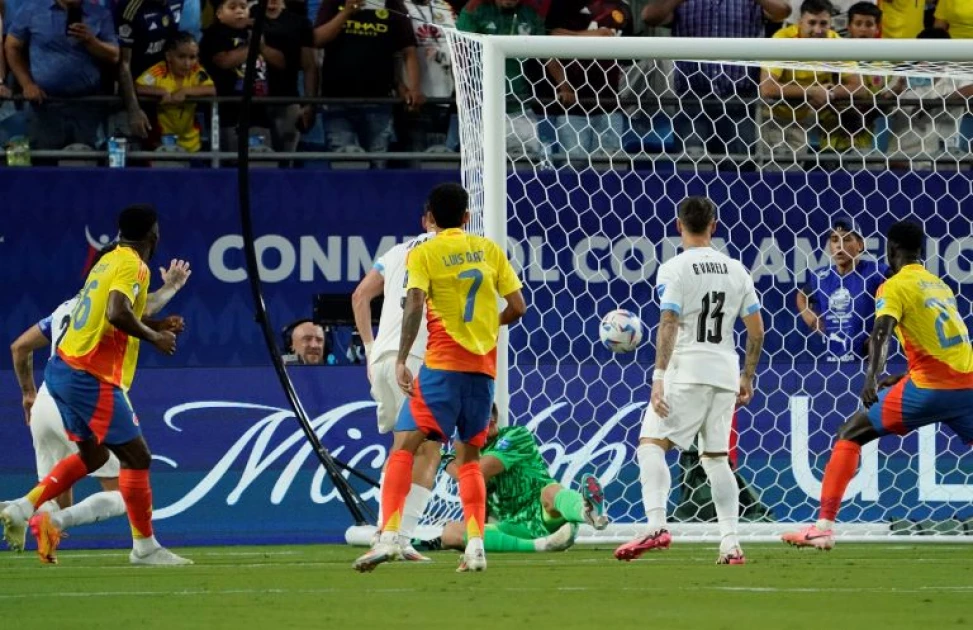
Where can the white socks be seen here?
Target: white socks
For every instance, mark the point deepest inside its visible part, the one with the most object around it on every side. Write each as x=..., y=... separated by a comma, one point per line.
x=97, y=507
x=656, y=483
x=824, y=524
x=415, y=505
x=145, y=546
x=726, y=499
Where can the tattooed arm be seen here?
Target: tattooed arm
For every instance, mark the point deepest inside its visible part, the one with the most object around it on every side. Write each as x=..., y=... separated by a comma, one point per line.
x=415, y=299
x=664, y=346
x=755, y=343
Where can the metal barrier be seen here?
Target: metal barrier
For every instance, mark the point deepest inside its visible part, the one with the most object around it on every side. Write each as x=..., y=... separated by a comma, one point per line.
x=754, y=107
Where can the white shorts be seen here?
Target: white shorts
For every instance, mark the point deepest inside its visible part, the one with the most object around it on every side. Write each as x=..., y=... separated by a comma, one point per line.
x=51, y=443
x=693, y=410
x=385, y=389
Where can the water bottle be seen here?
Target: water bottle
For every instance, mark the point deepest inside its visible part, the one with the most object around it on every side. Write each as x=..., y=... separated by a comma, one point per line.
x=256, y=143
x=170, y=144
x=18, y=151
x=117, y=148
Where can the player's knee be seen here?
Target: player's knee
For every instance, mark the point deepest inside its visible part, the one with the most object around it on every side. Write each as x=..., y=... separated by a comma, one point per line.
x=858, y=430
x=547, y=496
x=664, y=443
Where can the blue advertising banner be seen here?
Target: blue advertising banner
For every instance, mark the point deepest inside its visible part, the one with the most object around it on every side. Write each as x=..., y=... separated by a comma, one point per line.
x=586, y=242
x=231, y=463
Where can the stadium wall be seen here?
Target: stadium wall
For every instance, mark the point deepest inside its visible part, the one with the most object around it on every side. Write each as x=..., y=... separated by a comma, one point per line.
x=231, y=465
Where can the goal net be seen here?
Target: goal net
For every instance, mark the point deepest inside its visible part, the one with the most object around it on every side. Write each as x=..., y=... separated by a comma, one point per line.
x=585, y=194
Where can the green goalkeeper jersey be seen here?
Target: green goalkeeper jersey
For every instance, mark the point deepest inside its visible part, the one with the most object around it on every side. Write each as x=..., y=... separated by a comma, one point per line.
x=518, y=488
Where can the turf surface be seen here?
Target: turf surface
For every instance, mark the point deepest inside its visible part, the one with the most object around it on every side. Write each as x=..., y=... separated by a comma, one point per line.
x=855, y=586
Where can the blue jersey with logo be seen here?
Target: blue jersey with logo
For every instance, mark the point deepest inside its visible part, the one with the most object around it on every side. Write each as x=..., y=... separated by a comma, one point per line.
x=846, y=304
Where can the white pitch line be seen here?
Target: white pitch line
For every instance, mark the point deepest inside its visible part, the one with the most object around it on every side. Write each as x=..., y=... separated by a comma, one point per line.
x=110, y=553
x=478, y=588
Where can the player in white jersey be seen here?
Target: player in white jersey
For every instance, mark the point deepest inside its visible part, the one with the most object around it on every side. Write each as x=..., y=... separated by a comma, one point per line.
x=697, y=378
x=388, y=277
x=51, y=443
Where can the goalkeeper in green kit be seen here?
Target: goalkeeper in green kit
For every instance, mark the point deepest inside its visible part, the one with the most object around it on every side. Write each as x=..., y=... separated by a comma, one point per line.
x=527, y=510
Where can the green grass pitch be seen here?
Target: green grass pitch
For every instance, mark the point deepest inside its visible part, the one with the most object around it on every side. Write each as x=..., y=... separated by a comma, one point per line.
x=880, y=586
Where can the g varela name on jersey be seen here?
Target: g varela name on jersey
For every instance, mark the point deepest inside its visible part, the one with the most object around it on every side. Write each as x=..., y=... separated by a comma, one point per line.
x=710, y=267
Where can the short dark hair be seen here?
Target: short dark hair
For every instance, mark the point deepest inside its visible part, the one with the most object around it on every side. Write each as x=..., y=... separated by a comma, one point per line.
x=817, y=6
x=907, y=236
x=865, y=8
x=696, y=213
x=136, y=221
x=448, y=204
x=934, y=33
x=177, y=40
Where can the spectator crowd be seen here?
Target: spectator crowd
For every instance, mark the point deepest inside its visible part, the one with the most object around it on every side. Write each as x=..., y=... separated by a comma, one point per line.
x=391, y=56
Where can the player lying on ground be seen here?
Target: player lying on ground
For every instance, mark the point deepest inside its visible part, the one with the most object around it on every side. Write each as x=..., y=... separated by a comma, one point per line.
x=51, y=443
x=459, y=278
x=697, y=379
x=388, y=278
x=938, y=387
x=89, y=379
x=532, y=511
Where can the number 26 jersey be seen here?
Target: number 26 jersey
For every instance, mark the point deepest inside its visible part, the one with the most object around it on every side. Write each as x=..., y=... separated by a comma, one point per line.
x=708, y=291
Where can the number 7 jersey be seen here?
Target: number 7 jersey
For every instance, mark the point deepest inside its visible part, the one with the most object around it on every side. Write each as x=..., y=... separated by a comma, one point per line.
x=464, y=276
x=709, y=291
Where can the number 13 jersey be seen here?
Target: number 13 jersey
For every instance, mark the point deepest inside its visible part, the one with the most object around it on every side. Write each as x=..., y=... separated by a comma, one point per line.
x=708, y=291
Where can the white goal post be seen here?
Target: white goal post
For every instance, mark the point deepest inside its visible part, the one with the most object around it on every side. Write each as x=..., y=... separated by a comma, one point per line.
x=589, y=223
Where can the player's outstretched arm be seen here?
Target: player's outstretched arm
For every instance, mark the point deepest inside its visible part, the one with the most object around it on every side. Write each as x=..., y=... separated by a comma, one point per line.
x=173, y=279
x=878, y=354
x=755, y=344
x=22, y=351
x=370, y=287
x=122, y=317
x=516, y=308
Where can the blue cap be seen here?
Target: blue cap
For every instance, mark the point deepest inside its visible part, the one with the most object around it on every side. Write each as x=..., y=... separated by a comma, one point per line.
x=845, y=223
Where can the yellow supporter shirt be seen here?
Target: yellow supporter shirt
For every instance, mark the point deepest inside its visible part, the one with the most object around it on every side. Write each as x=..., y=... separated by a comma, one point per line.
x=91, y=343
x=959, y=15
x=805, y=78
x=902, y=19
x=930, y=328
x=463, y=276
x=178, y=119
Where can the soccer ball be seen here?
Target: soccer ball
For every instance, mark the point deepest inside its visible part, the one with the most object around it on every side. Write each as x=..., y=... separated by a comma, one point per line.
x=620, y=331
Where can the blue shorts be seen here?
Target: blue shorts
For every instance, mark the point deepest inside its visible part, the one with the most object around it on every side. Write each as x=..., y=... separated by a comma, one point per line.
x=446, y=401
x=904, y=407
x=90, y=408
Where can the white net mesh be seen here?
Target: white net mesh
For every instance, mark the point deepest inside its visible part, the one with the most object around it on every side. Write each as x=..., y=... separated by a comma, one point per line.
x=590, y=207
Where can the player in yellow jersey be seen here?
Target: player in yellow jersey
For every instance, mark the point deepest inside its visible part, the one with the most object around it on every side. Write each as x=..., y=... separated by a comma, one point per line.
x=89, y=379
x=460, y=277
x=938, y=387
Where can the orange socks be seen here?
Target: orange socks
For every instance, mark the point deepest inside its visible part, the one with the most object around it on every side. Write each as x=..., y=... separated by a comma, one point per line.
x=395, y=489
x=65, y=474
x=837, y=474
x=137, y=494
x=472, y=493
